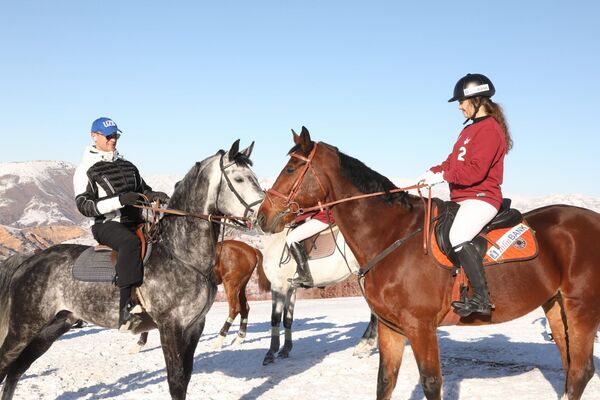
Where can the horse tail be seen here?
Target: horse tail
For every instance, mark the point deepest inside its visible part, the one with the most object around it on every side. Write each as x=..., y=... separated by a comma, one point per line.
x=263, y=282
x=7, y=269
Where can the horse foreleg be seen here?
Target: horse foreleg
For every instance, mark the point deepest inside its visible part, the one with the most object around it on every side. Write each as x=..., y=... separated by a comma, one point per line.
x=369, y=339
x=178, y=346
x=244, y=311
x=288, y=319
x=427, y=353
x=277, y=301
x=231, y=292
x=36, y=347
x=391, y=350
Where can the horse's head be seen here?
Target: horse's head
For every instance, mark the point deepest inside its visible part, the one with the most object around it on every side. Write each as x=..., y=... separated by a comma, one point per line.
x=300, y=184
x=221, y=184
x=239, y=192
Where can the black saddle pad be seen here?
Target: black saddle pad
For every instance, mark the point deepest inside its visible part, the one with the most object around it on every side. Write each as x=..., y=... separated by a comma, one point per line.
x=94, y=266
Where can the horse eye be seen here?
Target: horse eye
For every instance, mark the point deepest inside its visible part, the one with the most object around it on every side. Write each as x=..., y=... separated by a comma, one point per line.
x=239, y=180
x=289, y=170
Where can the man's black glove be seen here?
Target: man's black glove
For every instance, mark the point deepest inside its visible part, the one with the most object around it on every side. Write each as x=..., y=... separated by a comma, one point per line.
x=160, y=196
x=129, y=198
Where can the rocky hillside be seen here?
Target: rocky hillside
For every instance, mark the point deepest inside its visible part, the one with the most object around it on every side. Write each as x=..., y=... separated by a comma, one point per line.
x=13, y=240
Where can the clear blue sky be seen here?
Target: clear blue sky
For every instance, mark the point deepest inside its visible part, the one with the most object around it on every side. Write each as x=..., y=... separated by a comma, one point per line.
x=184, y=79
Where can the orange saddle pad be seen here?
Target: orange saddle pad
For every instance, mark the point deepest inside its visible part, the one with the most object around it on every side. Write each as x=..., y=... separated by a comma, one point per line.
x=517, y=243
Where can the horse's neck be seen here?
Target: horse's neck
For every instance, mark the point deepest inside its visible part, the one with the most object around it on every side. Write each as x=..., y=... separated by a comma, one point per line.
x=189, y=240
x=369, y=226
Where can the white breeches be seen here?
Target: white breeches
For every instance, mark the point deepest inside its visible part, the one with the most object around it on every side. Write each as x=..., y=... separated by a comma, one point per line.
x=306, y=230
x=471, y=217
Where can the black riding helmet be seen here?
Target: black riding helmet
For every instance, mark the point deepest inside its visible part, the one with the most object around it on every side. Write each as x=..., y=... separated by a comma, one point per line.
x=473, y=85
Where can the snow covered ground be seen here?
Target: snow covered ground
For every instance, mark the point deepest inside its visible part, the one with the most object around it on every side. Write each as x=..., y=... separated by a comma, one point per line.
x=511, y=360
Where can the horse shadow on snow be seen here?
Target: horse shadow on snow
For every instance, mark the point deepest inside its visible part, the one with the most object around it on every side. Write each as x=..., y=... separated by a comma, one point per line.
x=495, y=356
x=482, y=359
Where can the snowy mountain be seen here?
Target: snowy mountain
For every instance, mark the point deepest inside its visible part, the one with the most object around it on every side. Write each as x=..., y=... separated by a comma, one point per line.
x=36, y=193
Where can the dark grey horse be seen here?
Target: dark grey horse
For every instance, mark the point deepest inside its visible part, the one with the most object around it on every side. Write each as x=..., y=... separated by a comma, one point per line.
x=40, y=300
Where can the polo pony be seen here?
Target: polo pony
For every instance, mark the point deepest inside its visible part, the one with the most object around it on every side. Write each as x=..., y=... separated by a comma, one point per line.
x=410, y=293
x=40, y=299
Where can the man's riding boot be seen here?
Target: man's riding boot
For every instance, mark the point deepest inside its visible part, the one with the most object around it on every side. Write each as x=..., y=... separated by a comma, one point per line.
x=304, y=278
x=128, y=311
x=473, y=267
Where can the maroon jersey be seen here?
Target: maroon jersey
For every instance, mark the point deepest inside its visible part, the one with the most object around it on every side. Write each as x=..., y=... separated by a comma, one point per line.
x=475, y=168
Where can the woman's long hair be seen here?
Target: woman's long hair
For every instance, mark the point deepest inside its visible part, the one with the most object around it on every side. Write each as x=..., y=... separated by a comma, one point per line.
x=495, y=110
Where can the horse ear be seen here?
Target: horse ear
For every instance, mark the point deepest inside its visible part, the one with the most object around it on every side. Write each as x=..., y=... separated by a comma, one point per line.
x=296, y=137
x=248, y=150
x=235, y=148
x=304, y=140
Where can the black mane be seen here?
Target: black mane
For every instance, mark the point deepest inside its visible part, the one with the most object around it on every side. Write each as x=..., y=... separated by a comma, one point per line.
x=368, y=181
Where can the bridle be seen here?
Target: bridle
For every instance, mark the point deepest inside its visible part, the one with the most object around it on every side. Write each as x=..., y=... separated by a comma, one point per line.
x=290, y=205
x=238, y=222
x=247, y=207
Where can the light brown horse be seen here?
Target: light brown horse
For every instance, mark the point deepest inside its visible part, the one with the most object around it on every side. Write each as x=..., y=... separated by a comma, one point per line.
x=235, y=264
x=411, y=294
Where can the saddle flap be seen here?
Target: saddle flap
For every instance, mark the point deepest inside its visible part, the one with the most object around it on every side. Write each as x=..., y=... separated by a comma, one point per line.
x=322, y=244
x=94, y=266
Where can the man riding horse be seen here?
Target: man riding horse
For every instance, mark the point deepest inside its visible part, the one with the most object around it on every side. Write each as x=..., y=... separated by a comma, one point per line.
x=106, y=188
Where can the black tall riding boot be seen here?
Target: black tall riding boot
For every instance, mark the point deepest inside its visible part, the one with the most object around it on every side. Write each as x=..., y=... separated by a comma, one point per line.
x=473, y=267
x=304, y=278
x=127, y=310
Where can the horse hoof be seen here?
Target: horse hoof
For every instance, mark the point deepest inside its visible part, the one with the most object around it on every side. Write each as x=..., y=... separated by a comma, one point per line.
x=237, y=341
x=269, y=359
x=283, y=354
x=362, y=349
x=218, y=343
x=135, y=349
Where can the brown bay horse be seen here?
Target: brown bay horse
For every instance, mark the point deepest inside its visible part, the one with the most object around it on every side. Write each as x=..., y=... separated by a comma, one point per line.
x=236, y=261
x=411, y=294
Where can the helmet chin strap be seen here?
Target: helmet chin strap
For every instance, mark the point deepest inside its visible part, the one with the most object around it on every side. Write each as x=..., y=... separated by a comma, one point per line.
x=472, y=117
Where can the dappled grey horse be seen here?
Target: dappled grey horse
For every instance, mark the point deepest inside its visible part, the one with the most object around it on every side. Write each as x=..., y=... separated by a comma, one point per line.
x=40, y=300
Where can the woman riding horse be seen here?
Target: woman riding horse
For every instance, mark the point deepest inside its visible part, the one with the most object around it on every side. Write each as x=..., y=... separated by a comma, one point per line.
x=474, y=171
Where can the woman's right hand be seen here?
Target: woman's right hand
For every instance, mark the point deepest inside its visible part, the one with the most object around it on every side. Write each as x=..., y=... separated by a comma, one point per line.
x=431, y=178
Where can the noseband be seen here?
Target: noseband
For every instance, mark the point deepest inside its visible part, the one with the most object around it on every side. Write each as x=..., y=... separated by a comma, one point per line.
x=290, y=204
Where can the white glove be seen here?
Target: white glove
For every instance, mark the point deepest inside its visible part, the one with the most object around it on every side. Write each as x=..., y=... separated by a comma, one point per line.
x=431, y=178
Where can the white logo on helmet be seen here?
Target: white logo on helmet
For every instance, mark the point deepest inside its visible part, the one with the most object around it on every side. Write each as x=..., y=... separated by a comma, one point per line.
x=476, y=89
x=108, y=123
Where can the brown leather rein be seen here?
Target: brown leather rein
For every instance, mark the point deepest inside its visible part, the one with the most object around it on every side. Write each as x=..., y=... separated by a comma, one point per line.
x=321, y=206
x=208, y=217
